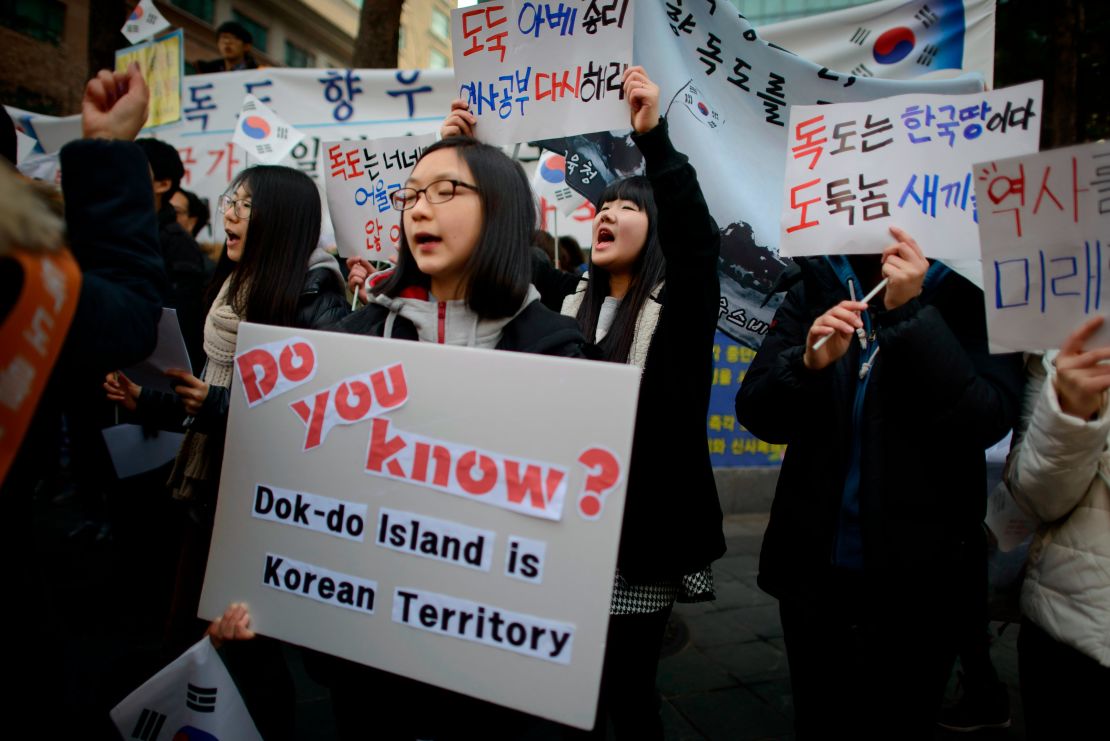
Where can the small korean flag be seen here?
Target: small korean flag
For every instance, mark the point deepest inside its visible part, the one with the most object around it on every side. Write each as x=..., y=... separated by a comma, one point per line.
x=144, y=22
x=550, y=182
x=192, y=698
x=263, y=134
x=696, y=102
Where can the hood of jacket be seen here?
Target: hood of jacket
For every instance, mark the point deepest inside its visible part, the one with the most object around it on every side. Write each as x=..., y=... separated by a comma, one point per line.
x=447, y=322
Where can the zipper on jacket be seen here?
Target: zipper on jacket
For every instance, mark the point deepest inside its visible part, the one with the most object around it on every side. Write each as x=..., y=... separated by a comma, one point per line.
x=441, y=311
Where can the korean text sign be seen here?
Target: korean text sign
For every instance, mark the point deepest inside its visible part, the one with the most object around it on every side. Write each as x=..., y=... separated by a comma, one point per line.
x=855, y=169
x=1044, y=226
x=454, y=527
x=360, y=177
x=538, y=70
x=163, y=65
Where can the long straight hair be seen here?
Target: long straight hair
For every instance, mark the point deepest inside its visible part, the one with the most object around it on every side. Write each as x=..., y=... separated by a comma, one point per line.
x=495, y=279
x=647, y=270
x=284, y=228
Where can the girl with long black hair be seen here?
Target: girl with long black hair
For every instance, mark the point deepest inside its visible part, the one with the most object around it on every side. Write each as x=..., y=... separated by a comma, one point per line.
x=271, y=272
x=650, y=298
x=463, y=277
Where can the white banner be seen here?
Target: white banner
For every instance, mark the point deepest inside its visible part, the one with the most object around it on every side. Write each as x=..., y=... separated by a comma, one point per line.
x=1043, y=224
x=462, y=538
x=533, y=70
x=359, y=178
x=896, y=39
x=855, y=169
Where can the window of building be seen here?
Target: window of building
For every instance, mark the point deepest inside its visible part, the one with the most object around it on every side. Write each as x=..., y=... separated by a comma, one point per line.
x=200, y=8
x=436, y=60
x=441, y=25
x=39, y=19
x=257, y=30
x=295, y=56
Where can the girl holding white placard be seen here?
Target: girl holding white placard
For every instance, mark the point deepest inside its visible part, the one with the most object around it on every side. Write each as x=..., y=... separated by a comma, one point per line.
x=650, y=298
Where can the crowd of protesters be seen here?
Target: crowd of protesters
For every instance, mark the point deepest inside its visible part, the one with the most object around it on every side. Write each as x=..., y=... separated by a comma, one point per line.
x=874, y=541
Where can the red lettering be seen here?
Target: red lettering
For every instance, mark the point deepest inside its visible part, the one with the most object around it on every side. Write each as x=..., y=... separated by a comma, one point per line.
x=382, y=449
x=396, y=392
x=353, y=412
x=469, y=484
x=517, y=487
x=305, y=361
x=442, y=458
x=257, y=386
x=313, y=419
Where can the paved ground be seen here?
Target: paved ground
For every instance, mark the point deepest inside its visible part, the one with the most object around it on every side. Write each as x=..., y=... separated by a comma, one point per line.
x=730, y=679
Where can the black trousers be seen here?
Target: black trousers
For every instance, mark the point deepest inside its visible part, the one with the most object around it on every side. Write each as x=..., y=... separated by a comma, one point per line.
x=628, y=699
x=864, y=666
x=1062, y=689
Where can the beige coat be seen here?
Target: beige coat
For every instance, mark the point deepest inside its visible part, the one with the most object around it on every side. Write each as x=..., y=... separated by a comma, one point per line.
x=1060, y=474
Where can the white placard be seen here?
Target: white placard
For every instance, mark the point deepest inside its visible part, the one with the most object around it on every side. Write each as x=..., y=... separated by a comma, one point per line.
x=170, y=352
x=853, y=170
x=1044, y=226
x=134, y=450
x=359, y=178
x=144, y=22
x=475, y=457
x=540, y=70
x=263, y=134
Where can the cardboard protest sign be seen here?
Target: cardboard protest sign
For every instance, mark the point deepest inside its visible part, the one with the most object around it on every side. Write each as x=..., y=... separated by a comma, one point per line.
x=263, y=134
x=144, y=22
x=359, y=178
x=425, y=510
x=855, y=169
x=1044, y=224
x=163, y=64
x=536, y=70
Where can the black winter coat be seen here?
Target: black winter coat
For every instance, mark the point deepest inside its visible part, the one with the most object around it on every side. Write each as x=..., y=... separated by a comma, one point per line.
x=933, y=401
x=186, y=271
x=672, y=516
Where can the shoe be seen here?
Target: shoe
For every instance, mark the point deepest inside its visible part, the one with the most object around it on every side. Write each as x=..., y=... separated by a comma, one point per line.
x=976, y=712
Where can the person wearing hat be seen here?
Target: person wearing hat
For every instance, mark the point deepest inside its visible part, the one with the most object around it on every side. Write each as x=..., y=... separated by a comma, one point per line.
x=234, y=42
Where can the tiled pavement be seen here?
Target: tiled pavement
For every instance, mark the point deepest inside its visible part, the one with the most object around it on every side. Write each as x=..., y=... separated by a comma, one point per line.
x=730, y=680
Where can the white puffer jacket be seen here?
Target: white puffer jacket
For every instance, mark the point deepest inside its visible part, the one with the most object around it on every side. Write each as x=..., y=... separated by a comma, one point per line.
x=1060, y=473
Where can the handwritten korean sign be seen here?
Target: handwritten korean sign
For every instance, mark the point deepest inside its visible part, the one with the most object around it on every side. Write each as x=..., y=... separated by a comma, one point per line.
x=363, y=513
x=163, y=66
x=536, y=70
x=855, y=169
x=1044, y=227
x=360, y=177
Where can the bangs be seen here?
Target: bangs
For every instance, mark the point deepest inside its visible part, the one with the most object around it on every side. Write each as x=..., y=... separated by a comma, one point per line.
x=636, y=189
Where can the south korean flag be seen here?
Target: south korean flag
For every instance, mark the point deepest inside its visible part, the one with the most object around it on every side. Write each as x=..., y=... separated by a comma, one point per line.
x=144, y=22
x=263, y=134
x=192, y=698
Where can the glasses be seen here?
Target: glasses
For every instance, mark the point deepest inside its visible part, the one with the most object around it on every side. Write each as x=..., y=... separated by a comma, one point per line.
x=242, y=206
x=441, y=191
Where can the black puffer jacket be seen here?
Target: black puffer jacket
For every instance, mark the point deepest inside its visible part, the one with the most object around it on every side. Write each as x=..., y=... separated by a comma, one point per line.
x=913, y=428
x=672, y=516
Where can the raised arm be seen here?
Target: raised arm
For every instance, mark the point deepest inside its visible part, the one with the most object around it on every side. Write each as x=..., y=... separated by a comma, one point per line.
x=1052, y=467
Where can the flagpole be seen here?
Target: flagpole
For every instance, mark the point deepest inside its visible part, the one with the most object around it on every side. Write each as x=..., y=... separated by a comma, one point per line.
x=555, y=229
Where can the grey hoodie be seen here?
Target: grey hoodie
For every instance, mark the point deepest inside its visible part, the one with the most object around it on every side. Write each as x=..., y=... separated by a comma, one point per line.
x=449, y=322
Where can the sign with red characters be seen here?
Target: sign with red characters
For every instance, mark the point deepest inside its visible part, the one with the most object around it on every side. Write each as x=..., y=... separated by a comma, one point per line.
x=389, y=501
